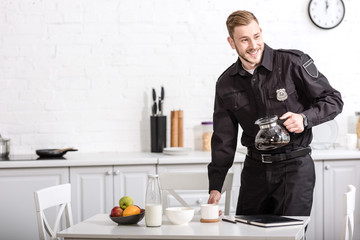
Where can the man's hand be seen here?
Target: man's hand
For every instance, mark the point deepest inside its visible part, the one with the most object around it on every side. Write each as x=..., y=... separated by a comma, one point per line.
x=294, y=122
x=214, y=198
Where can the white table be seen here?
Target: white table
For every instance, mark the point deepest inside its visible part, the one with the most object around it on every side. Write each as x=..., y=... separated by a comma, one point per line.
x=100, y=226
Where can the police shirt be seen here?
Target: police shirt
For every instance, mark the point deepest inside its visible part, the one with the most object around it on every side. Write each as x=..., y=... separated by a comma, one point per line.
x=285, y=81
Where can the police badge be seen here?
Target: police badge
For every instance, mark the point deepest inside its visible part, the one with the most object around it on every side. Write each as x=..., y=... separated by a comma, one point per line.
x=281, y=94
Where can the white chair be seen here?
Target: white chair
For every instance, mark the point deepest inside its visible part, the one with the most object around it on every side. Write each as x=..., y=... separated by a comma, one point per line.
x=56, y=196
x=349, y=208
x=172, y=181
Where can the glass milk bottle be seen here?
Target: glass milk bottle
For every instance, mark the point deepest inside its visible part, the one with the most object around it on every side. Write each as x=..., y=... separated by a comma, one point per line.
x=153, y=207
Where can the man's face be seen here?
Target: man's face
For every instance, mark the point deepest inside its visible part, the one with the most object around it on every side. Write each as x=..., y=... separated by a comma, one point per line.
x=248, y=43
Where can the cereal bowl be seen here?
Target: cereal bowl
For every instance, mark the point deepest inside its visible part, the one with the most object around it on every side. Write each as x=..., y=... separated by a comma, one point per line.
x=179, y=215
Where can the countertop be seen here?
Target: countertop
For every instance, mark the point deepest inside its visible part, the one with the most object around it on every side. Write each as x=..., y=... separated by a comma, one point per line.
x=140, y=158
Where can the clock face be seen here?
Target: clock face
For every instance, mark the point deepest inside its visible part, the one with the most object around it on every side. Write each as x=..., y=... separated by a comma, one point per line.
x=326, y=14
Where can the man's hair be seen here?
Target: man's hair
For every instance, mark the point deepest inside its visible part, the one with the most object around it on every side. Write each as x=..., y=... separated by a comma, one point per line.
x=239, y=18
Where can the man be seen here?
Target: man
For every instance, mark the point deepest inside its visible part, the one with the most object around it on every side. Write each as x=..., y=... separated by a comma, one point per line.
x=264, y=82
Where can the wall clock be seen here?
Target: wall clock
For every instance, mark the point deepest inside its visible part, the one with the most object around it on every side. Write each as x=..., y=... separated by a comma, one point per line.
x=326, y=14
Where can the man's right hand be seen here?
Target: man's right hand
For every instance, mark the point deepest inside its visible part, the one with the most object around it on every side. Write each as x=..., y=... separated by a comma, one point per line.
x=214, y=197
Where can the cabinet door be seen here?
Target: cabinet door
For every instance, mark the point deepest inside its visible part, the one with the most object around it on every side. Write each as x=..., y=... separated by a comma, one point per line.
x=131, y=181
x=17, y=205
x=315, y=227
x=92, y=191
x=337, y=175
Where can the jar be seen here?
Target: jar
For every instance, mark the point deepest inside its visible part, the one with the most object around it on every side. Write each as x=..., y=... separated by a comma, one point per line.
x=207, y=130
x=4, y=147
x=357, y=114
x=153, y=207
x=271, y=135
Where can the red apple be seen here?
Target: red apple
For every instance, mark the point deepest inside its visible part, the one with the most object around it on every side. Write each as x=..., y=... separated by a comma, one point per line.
x=116, y=212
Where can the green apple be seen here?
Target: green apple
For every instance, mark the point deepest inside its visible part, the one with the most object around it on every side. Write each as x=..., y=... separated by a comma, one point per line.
x=126, y=201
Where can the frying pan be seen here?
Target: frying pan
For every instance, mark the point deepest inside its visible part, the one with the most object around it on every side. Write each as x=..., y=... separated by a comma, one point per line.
x=53, y=152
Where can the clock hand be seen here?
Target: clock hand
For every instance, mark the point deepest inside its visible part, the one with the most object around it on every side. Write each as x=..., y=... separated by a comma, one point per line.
x=327, y=5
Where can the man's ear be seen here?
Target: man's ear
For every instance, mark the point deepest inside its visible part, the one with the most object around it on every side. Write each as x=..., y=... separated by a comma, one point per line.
x=231, y=42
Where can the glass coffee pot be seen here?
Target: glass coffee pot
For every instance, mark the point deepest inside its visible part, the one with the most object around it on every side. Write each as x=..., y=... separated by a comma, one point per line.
x=271, y=135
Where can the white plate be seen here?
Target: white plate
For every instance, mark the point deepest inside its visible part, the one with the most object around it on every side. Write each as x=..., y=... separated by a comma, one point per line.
x=325, y=135
x=176, y=151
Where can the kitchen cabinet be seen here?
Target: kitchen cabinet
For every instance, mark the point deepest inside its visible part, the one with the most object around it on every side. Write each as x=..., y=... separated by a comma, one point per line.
x=132, y=181
x=98, y=189
x=337, y=175
x=91, y=191
x=17, y=205
x=315, y=227
x=196, y=198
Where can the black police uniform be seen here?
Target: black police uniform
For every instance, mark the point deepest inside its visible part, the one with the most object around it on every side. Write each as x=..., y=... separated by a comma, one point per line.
x=281, y=181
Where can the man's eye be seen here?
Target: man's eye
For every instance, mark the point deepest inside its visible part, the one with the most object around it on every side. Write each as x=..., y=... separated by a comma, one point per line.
x=243, y=40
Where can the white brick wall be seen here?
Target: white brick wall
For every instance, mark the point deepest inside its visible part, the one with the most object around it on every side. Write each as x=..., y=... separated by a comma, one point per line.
x=80, y=72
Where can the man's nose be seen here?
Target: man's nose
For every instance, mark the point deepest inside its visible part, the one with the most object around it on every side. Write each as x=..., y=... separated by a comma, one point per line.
x=252, y=43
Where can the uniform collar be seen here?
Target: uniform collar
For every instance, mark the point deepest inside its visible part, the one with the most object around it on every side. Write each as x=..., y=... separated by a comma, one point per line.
x=266, y=62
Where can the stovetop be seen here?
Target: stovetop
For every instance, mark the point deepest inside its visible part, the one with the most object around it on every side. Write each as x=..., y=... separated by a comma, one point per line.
x=29, y=157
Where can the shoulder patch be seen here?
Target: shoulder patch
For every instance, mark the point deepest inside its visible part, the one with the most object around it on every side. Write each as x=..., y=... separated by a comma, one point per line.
x=311, y=69
x=292, y=51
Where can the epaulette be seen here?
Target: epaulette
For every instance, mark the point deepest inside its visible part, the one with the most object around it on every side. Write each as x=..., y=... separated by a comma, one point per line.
x=292, y=51
x=226, y=70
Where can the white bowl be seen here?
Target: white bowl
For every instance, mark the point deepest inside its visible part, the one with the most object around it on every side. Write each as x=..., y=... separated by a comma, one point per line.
x=179, y=215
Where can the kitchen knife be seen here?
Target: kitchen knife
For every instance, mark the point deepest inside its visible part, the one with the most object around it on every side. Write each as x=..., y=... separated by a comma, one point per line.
x=154, y=109
x=162, y=93
x=154, y=106
x=161, y=101
x=154, y=94
x=160, y=107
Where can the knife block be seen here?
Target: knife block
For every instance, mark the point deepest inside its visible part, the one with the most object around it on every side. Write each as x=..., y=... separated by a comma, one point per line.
x=158, y=133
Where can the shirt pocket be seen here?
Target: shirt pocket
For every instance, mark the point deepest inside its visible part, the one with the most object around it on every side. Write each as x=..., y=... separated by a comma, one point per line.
x=280, y=104
x=235, y=100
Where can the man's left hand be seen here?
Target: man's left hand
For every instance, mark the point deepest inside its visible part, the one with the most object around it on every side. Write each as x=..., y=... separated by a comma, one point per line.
x=294, y=122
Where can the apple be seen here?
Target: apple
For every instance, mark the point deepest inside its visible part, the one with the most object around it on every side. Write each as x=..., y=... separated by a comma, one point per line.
x=126, y=201
x=116, y=212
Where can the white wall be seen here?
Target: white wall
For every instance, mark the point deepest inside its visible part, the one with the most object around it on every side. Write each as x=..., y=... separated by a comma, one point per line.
x=80, y=72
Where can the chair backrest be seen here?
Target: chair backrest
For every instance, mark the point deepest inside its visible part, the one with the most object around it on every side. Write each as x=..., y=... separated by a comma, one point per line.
x=349, y=208
x=172, y=181
x=56, y=196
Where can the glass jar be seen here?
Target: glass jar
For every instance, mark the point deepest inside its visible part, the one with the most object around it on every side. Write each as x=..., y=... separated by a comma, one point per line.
x=271, y=135
x=153, y=206
x=357, y=114
x=4, y=147
x=207, y=130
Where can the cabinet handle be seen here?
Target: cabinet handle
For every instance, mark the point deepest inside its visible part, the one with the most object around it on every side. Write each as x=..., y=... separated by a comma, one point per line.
x=199, y=201
x=117, y=172
x=327, y=167
x=109, y=172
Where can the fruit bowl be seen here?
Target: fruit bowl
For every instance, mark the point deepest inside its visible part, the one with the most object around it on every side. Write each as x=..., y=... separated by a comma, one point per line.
x=180, y=215
x=133, y=219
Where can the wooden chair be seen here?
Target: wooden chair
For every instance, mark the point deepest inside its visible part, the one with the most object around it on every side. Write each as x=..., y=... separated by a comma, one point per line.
x=56, y=196
x=170, y=182
x=349, y=208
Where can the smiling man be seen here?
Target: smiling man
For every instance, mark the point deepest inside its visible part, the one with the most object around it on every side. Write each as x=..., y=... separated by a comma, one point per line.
x=248, y=43
x=262, y=83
